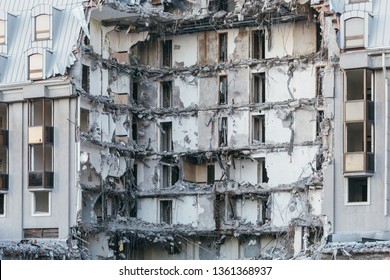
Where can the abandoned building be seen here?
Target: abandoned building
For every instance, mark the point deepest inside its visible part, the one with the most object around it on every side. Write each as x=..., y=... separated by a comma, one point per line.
x=194, y=130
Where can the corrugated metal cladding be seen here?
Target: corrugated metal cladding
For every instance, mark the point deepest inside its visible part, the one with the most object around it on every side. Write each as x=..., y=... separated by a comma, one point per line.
x=379, y=35
x=57, y=51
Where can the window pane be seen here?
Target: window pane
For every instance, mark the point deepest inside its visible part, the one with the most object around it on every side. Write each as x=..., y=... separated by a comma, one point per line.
x=355, y=137
x=42, y=27
x=35, y=66
x=2, y=32
x=357, y=190
x=355, y=84
x=354, y=27
x=41, y=202
x=354, y=32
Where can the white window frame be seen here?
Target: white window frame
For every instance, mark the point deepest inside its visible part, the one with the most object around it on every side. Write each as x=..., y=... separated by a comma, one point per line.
x=33, y=205
x=365, y=203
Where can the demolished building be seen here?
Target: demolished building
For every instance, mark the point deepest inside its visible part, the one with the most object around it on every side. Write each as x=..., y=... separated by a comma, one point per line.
x=207, y=98
x=179, y=130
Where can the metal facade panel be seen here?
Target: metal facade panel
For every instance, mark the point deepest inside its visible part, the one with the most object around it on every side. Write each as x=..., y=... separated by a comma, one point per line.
x=65, y=32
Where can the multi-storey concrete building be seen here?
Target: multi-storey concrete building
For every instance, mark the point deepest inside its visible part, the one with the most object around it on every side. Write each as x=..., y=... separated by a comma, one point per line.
x=192, y=129
x=38, y=158
x=217, y=108
x=357, y=201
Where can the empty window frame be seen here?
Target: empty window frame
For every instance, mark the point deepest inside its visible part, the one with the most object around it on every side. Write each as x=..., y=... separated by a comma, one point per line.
x=225, y=207
x=41, y=203
x=223, y=132
x=262, y=176
x=166, y=53
x=258, y=93
x=134, y=132
x=210, y=174
x=85, y=78
x=84, y=120
x=166, y=144
x=357, y=189
x=218, y=5
x=222, y=47
x=258, y=44
x=2, y=204
x=134, y=173
x=135, y=92
x=223, y=90
x=166, y=211
x=42, y=27
x=35, y=66
x=258, y=129
x=354, y=33
x=166, y=94
x=320, y=80
x=319, y=119
x=2, y=32
x=169, y=174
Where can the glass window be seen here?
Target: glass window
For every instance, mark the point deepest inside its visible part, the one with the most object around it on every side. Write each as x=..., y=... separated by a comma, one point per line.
x=354, y=33
x=42, y=27
x=2, y=32
x=35, y=66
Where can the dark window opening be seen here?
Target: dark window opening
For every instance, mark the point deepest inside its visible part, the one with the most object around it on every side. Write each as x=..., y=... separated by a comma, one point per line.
x=318, y=37
x=319, y=161
x=85, y=78
x=167, y=53
x=262, y=176
x=355, y=137
x=210, y=174
x=223, y=90
x=259, y=88
x=319, y=119
x=222, y=43
x=166, y=97
x=2, y=204
x=134, y=173
x=134, y=132
x=258, y=129
x=223, y=132
x=170, y=175
x=166, y=137
x=166, y=211
x=258, y=44
x=41, y=202
x=135, y=92
x=357, y=190
x=84, y=120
